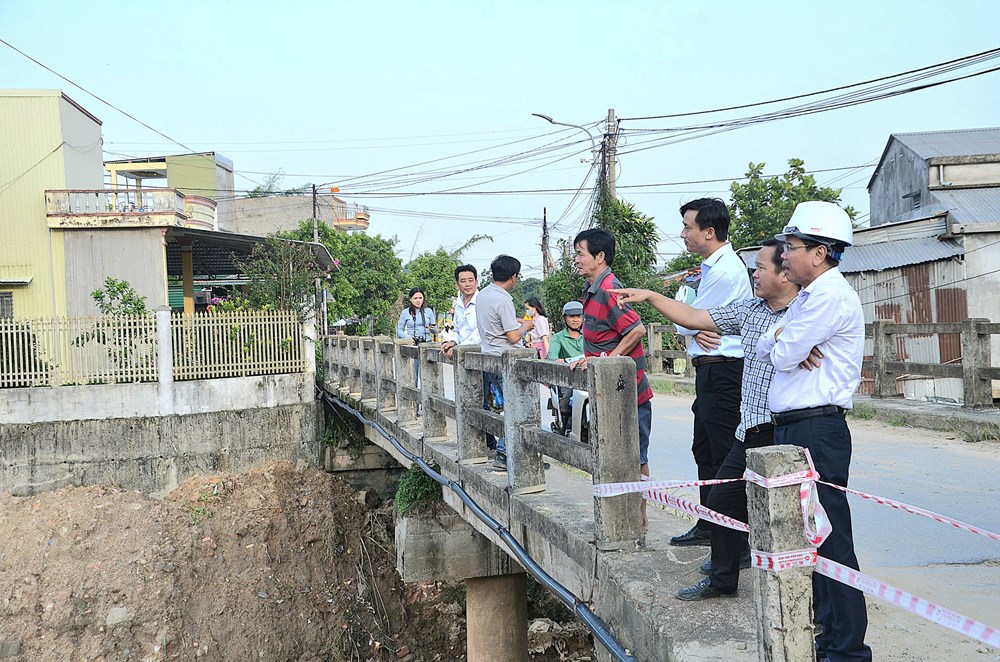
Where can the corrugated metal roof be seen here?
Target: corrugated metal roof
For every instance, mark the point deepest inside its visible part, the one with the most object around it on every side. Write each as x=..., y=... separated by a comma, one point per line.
x=885, y=255
x=971, y=205
x=960, y=142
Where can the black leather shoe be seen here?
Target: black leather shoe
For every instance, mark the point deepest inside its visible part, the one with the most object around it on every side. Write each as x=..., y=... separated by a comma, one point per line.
x=706, y=567
x=703, y=590
x=693, y=537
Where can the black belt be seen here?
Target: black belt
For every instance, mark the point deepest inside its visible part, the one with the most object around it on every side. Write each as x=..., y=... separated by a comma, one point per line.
x=699, y=361
x=786, y=417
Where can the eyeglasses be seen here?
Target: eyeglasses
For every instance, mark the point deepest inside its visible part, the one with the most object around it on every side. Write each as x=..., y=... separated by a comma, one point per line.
x=793, y=247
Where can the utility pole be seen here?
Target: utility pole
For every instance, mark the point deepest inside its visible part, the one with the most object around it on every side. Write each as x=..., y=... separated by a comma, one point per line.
x=315, y=215
x=320, y=290
x=611, y=140
x=545, y=243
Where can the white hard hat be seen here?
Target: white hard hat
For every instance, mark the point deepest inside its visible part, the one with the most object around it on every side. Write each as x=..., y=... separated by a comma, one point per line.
x=824, y=222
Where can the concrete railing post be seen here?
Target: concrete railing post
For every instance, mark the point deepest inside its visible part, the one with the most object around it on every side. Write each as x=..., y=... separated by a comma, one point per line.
x=164, y=362
x=354, y=371
x=309, y=343
x=367, y=352
x=406, y=375
x=385, y=388
x=329, y=361
x=654, y=338
x=783, y=599
x=883, y=351
x=344, y=361
x=468, y=397
x=614, y=440
x=976, y=386
x=522, y=408
x=431, y=383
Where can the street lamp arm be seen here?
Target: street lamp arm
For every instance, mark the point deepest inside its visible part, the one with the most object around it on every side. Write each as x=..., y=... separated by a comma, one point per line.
x=593, y=143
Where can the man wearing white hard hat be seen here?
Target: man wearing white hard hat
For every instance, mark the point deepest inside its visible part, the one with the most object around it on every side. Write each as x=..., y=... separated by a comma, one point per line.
x=809, y=398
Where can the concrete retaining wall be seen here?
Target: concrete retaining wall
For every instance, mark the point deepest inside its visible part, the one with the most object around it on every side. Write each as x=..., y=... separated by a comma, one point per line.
x=100, y=401
x=150, y=453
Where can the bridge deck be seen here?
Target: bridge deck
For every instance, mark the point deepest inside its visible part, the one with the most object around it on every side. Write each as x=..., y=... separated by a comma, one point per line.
x=632, y=591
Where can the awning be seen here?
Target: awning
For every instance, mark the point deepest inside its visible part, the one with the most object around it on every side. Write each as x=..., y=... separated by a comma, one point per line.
x=218, y=253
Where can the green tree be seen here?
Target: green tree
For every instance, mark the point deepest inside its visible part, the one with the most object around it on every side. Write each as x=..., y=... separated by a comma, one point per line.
x=367, y=285
x=282, y=275
x=635, y=249
x=761, y=206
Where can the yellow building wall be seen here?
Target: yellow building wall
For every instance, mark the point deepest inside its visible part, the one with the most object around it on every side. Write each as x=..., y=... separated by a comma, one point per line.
x=46, y=142
x=192, y=174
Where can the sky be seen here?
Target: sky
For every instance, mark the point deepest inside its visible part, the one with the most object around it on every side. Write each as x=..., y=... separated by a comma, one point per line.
x=439, y=96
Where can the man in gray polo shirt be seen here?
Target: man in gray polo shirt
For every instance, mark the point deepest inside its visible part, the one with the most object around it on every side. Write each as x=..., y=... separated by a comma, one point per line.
x=499, y=328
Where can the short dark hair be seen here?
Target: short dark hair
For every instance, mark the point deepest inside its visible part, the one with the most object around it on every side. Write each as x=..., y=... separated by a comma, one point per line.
x=779, y=248
x=462, y=268
x=598, y=240
x=504, y=267
x=711, y=212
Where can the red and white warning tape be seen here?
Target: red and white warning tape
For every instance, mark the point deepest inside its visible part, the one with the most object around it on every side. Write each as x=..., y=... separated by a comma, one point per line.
x=696, y=509
x=908, y=602
x=646, y=484
x=778, y=561
x=915, y=510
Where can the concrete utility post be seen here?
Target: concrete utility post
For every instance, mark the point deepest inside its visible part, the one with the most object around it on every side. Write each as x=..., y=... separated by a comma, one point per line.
x=545, y=243
x=611, y=143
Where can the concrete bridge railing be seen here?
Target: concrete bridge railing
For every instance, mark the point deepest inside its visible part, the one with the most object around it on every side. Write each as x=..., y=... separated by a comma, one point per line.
x=384, y=373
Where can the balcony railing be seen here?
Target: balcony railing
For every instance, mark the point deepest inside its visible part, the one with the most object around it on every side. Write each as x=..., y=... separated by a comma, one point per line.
x=351, y=216
x=113, y=201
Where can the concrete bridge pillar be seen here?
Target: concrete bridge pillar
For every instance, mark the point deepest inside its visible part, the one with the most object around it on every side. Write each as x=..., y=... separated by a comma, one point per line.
x=497, y=618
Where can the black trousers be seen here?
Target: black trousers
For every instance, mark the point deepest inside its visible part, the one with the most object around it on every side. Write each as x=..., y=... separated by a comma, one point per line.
x=840, y=609
x=716, y=411
x=731, y=499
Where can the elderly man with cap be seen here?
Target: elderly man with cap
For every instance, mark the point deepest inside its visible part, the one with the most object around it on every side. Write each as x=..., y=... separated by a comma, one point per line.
x=567, y=346
x=808, y=401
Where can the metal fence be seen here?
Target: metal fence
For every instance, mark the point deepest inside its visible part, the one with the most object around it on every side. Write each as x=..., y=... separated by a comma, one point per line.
x=115, y=350
x=236, y=344
x=78, y=350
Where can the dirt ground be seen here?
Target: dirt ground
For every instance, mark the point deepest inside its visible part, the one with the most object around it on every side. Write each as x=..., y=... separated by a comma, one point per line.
x=277, y=563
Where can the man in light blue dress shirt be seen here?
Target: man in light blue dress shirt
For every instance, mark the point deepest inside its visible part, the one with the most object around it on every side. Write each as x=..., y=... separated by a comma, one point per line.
x=718, y=360
x=816, y=352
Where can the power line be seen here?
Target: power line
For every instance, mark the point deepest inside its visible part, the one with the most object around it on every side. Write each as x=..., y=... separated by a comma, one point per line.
x=993, y=51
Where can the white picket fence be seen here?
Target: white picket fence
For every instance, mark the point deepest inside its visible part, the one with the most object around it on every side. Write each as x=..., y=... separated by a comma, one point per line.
x=115, y=350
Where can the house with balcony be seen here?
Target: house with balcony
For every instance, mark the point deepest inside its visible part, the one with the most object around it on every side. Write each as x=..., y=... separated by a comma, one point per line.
x=65, y=233
x=202, y=174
